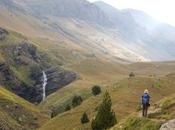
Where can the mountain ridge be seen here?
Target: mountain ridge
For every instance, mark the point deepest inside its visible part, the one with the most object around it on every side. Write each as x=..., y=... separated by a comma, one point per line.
x=80, y=45
x=127, y=36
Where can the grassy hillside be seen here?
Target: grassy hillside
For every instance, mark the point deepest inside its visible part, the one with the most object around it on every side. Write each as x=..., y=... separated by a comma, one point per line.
x=18, y=114
x=125, y=96
x=92, y=71
x=21, y=66
x=18, y=57
x=96, y=71
x=137, y=123
x=160, y=113
x=153, y=68
x=92, y=54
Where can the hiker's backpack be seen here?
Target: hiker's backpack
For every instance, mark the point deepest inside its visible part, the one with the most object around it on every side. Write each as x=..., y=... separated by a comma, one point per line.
x=145, y=98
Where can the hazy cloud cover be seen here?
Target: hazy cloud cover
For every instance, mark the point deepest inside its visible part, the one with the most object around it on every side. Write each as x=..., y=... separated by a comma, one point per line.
x=162, y=10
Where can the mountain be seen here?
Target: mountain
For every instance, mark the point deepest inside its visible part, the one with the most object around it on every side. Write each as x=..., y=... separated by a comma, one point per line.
x=143, y=31
x=81, y=33
x=79, y=44
x=124, y=30
x=78, y=9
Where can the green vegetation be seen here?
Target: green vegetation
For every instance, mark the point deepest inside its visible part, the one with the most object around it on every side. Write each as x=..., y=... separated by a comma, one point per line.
x=84, y=118
x=131, y=75
x=93, y=69
x=105, y=117
x=68, y=107
x=125, y=96
x=138, y=123
x=17, y=58
x=161, y=112
x=16, y=113
x=77, y=100
x=96, y=90
x=164, y=109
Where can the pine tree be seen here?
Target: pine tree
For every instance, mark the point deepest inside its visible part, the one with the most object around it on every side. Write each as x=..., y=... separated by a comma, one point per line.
x=77, y=100
x=105, y=117
x=84, y=118
x=96, y=90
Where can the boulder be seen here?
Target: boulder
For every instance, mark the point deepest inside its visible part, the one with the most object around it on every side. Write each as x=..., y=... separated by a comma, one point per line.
x=170, y=125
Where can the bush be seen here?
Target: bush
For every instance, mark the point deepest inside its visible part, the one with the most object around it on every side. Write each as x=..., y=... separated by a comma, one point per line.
x=96, y=90
x=131, y=75
x=84, y=118
x=58, y=110
x=67, y=108
x=105, y=117
x=77, y=100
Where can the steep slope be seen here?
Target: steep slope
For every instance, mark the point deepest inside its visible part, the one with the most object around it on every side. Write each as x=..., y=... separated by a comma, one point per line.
x=123, y=40
x=18, y=114
x=78, y=9
x=144, y=32
x=162, y=113
x=21, y=66
x=71, y=31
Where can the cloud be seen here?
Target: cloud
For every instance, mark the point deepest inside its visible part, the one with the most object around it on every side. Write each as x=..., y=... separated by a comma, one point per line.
x=162, y=10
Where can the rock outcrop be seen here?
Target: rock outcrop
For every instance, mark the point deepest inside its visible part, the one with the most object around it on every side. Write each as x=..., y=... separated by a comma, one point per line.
x=21, y=69
x=57, y=78
x=3, y=33
x=170, y=125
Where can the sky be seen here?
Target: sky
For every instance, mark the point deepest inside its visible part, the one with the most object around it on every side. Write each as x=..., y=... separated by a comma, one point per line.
x=162, y=10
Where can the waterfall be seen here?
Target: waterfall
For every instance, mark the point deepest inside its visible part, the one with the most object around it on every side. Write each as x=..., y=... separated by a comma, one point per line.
x=44, y=85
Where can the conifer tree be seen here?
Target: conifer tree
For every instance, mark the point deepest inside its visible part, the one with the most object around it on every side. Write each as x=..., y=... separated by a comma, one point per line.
x=77, y=100
x=105, y=117
x=84, y=118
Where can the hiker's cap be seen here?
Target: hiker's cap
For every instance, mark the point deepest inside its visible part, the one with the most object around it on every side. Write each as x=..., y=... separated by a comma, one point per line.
x=146, y=91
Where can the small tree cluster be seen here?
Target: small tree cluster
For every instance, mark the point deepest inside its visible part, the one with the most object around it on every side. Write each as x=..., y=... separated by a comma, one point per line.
x=77, y=100
x=84, y=118
x=105, y=117
x=131, y=75
x=96, y=90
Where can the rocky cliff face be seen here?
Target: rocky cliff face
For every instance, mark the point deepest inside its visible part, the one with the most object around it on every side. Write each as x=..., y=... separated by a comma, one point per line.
x=21, y=69
x=57, y=78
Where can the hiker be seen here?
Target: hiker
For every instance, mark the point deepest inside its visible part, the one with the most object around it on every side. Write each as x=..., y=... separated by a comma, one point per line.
x=145, y=103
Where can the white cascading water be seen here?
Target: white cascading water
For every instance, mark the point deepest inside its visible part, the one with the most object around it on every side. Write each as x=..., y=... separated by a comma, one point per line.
x=44, y=85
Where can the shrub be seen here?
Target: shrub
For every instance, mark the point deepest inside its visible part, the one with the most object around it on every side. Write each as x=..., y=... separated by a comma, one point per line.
x=58, y=110
x=105, y=117
x=77, y=100
x=84, y=118
x=53, y=113
x=131, y=75
x=96, y=90
x=67, y=108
